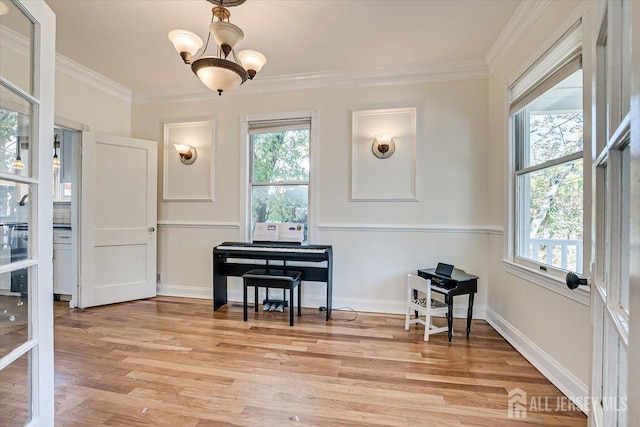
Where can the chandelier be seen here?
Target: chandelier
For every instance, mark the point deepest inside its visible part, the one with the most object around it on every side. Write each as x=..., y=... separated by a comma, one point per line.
x=226, y=70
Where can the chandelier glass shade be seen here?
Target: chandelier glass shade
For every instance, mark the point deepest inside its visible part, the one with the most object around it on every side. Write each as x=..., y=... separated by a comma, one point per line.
x=225, y=70
x=219, y=74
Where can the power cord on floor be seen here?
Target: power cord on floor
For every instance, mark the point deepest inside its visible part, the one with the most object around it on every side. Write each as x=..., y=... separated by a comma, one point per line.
x=323, y=308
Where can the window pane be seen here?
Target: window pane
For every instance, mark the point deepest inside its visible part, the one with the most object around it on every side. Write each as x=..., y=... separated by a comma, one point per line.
x=15, y=134
x=281, y=156
x=555, y=123
x=14, y=309
x=625, y=180
x=15, y=397
x=14, y=219
x=625, y=80
x=602, y=227
x=620, y=402
x=606, y=226
x=551, y=214
x=16, y=57
x=279, y=203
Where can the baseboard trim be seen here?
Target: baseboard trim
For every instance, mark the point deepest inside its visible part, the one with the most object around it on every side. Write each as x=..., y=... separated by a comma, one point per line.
x=550, y=368
x=183, y=291
x=315, y=300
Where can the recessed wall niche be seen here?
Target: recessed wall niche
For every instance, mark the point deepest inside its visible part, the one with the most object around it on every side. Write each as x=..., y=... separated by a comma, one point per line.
x=195, y=181
x=383, y=178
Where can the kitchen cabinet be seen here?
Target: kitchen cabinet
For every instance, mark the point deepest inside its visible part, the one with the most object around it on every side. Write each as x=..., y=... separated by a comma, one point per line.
x=62, y=278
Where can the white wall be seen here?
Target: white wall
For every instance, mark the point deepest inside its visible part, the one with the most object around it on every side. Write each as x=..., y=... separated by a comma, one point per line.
x=82, y=96
x=554, y=330
x=87, y=105
x=375, y=243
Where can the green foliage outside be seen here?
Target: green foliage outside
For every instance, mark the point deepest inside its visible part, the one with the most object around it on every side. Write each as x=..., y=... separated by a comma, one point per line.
x=556, y=193
x=281, y=160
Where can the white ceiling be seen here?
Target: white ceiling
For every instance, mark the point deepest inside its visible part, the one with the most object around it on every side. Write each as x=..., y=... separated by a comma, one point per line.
x=126, y=40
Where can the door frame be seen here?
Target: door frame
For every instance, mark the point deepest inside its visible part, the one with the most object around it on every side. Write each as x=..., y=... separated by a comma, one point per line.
x=633, y=392
x=40, y=341
x=615, y=381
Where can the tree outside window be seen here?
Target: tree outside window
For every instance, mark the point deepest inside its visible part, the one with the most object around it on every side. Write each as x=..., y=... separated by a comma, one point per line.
x=280, y=177
x=549, y=176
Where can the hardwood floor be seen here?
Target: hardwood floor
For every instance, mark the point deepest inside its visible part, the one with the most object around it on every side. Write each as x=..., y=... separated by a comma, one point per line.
x=173, y=362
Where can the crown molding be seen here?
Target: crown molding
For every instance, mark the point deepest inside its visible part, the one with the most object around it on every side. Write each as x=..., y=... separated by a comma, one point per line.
x=18, y=44
x=13, y=41
x=80, y=73
x=387, y=76
x=523, y=18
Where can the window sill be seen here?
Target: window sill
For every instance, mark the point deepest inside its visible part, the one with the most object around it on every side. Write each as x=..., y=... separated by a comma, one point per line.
x=582, y=294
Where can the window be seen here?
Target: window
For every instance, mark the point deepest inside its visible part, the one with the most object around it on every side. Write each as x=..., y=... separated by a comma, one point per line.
x=279, y=171
x=547, y=122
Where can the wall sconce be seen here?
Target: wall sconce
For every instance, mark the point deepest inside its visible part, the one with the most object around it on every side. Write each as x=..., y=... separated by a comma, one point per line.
x=188, y=154
x=383, y=146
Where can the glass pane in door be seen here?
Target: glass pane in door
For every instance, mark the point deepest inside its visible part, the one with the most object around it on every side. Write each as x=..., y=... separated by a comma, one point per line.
x=625, y=166
x=15, y=133
x=16, y=32
x=27, y=63
x=625, y=92
x=15, y=201
x=15, y=329
x=621, y=403
x=15, y=395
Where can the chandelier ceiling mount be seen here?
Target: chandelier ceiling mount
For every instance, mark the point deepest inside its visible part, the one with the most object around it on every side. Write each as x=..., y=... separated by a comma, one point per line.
x=225, y=70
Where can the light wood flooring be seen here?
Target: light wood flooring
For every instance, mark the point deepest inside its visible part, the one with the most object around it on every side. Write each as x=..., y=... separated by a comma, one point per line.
x=174, y=362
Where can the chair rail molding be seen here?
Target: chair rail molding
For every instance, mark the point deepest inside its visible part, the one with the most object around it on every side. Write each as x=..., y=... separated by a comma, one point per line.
x=411, y=228
x=199, y=224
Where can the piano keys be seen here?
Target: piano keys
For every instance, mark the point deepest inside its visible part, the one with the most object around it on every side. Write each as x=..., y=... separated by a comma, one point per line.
x=236, y=258
x=458, y=283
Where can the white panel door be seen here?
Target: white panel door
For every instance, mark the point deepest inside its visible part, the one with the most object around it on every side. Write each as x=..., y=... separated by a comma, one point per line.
x=117, y=219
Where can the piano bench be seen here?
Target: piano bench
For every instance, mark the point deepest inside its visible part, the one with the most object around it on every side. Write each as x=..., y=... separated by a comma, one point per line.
x=271, y=278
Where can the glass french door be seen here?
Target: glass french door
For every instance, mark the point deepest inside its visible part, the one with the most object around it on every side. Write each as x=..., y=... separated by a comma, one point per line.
x=613, y=142
x=27, y=60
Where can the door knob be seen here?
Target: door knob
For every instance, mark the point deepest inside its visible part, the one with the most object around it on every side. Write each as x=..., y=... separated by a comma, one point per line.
x=152, y=229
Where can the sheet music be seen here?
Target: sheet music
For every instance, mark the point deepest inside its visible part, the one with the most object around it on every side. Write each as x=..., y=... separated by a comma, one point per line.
x=265, y=232
x=278, y=232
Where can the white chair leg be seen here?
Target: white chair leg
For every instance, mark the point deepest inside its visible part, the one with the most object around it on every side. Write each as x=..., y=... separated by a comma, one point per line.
x=408, y=315
x=427, y=323
x=406, y=319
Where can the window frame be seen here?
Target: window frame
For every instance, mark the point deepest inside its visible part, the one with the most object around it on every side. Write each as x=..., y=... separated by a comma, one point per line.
x=246, y=169
x=520, y=139
x=520, y=267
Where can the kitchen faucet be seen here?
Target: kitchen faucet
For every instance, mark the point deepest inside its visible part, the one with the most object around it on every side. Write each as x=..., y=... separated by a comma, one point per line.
x=22, y=203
